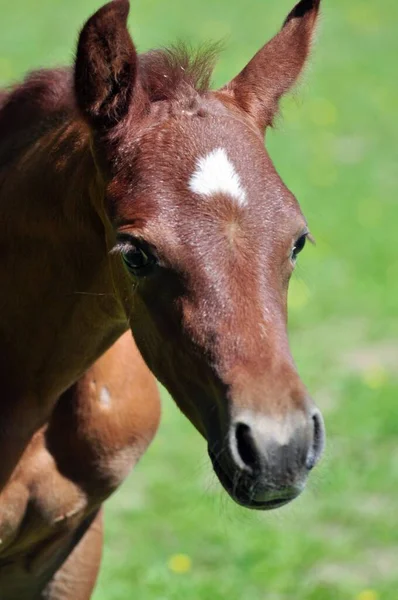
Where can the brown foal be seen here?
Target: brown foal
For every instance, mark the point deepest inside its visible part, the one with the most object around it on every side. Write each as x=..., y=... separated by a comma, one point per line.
x=134, y=197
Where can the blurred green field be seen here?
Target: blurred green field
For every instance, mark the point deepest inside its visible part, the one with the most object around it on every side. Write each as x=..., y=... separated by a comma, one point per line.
x=171, y=533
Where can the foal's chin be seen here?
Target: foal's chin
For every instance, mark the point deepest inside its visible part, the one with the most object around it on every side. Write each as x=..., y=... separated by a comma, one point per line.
x=253, y=491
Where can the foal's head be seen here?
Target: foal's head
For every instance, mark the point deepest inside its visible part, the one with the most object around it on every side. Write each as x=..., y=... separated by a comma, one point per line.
x=209, y=236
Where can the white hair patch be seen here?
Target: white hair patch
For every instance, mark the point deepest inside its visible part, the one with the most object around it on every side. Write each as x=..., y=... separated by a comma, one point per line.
x=214, y=174
x=105, y=397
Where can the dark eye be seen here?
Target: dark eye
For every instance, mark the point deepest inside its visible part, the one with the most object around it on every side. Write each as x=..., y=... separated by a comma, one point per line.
x=138, y=258
x=298, y=246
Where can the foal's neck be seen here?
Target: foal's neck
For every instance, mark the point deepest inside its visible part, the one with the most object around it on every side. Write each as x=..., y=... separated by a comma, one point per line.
x=60, y=289
x=62, y=307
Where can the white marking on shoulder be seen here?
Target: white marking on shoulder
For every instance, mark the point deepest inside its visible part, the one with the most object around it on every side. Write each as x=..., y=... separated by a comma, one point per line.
x=105, y=397
x=214, y=174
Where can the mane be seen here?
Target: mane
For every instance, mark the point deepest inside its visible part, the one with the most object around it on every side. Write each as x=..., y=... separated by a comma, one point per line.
x=46, y=97
x=178, y=71
x=29, y=109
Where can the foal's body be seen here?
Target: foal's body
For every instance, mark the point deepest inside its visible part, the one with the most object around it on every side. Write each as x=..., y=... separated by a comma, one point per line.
x=133, y=197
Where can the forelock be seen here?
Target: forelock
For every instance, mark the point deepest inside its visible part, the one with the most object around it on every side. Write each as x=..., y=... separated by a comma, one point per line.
x=178, y=72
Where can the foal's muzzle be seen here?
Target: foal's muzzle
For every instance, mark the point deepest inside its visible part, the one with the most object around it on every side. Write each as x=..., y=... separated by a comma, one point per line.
x=266, y=460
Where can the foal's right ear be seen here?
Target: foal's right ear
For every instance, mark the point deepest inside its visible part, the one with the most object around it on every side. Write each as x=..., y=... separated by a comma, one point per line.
x=106, y=67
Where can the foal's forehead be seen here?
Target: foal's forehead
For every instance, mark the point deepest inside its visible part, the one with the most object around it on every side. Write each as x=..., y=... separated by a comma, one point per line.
x=207, y=158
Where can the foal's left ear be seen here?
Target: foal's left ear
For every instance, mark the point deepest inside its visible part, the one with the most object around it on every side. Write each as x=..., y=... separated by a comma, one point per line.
x=276, y=67
x=106, y=68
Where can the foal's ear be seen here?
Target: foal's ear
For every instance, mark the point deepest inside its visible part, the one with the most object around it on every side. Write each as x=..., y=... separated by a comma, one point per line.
x=276, y=67
x=106, y=67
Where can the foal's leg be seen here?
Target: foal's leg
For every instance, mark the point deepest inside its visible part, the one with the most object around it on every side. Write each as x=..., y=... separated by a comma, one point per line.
x=75, y=580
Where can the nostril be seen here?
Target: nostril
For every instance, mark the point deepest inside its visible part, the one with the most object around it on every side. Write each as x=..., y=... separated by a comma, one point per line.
x=318, y=441
x=246, y=447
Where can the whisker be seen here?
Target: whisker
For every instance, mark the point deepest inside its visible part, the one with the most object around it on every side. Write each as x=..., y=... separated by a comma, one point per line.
x=94, y=294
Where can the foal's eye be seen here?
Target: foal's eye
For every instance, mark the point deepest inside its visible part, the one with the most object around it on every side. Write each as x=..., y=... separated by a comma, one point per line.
x=298, y=246
x=137, y=258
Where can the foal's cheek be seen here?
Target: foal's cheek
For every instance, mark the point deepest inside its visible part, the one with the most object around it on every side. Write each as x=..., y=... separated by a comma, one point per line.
x=174, y=354
x=155, y=341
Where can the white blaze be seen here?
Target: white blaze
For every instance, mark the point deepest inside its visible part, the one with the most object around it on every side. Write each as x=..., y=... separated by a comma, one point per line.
x=214, y=174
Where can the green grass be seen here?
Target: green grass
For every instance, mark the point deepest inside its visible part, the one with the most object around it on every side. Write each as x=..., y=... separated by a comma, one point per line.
x=337, y=150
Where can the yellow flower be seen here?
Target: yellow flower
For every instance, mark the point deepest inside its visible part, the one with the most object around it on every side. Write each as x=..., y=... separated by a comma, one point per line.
x=376, y=377
x=181, y=563
x=368, y=595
